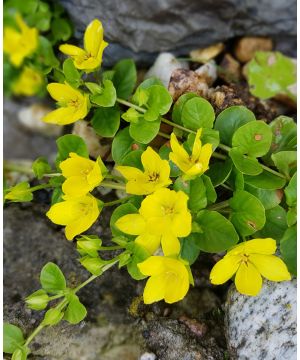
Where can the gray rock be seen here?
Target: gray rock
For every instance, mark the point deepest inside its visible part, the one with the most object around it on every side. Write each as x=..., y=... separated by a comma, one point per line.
x=140, y=29
x=263, y=327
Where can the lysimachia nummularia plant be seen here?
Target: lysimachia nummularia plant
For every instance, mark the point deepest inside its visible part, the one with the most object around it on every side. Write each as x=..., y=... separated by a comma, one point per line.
x=224, y=185
x=32, y=28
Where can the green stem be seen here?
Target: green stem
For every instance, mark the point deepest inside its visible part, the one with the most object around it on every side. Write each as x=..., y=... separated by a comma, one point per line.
x=226, y=187
x=177, y=126
x=115, y=202
x=8, y=166
x=40, y=187
x=218, y=156
x=114, y=177
x=112, y=185
x=34, y=334
x=162, y=134
x=107, y=248
x=129, y=104
x=218, y=206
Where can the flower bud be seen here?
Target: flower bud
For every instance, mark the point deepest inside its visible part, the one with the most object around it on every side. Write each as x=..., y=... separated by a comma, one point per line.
x=38, y=300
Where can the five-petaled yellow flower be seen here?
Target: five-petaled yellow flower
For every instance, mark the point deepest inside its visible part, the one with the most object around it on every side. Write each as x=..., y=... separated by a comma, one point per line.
x=155, y=176
x=82, y=175
x=194, y=164
x=169, y=279
x=90, y=57
x=73, y=104
x=249, y=260
x=77, y=214
x=19, y=44
x=29, y=82
x=165, y=216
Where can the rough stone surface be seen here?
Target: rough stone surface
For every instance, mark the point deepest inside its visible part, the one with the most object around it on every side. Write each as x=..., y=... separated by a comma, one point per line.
x=263, y=327
x=140, y=29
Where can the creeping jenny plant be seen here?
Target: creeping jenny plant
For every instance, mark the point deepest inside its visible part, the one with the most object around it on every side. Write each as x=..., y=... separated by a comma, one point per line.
x=213, y=185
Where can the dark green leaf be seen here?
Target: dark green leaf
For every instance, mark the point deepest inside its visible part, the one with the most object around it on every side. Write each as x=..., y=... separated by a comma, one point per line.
x=210, y=190
x=106, y=121
x=195, y=189
x=178, y=106
x=124, y=78
x=288, y=249
x=269, y=198
x=219, y=171
x=265, y=180
x=133, y=159
x=189, y=248
x=291, y=191
x=275, y=225
x=70, y=143
x=291, y=216
x=139, y=255
x=164, y=152
x=61, y=29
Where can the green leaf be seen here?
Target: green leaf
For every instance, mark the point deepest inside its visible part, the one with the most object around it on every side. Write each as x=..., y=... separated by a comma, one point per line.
x=57, y=196
x=41, y=167
x=120, y=211
x=106, y=121
x=265, y=180
x=284, y=134
x=107, y=97
x=248, y=213
x=196, y=191
x=12, y=338
x=88, y=244
x=253, y=138
x=52, y=279
x=269, y=198
x=37, y=300
x=92, y=264
x=71, y=74
x=45, y=53
x=210, y=190
x=189, y=248
x=275, y=225
x=25, y=7
x=291, y=216
x=124, y=78
x=53, y=317
x=61, y=29
x=285, y=161
x=70, y=143
x=291, y=191
x=218, y=232
x=75, y=311
x=288, y=249
x=139, y=255
x=198, y=113
x=19, y=193
x=219, y=172
x=20, y=354
x=271, y=73
x=230, y=119
x=178, y=106
x=133, y=159
x=245, y=164
x=123, y=144
x=164, y=152
x=158, y=103
x=144, y=131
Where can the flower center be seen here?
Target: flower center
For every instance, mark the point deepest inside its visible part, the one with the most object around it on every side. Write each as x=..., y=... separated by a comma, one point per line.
x=245, y=258
x=74, y=103
x=168, y=210
x=153, y=177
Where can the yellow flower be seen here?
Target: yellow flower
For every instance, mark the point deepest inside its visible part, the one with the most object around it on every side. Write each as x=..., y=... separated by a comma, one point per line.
x=249, y=260
x=155, y=176
x=78, y=214
x=82, y=175
x=28, y=83
x=73, y=104
x=191, y=165
x=19, y=44
x=90, y=57
x=162, y=218
x=169, y=279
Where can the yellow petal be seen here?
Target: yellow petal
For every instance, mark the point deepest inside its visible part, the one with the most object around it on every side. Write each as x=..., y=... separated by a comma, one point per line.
x=195, y=169
x=248, y=280
x=133, y=224
x=63, y=92
x=155, y=289
x=95, y=177
x=76, y=165
x=93, y=37
x=205, y=156
x=177, y=285
x=129, y=172
x=21, y=24
x=61, y=116
x=271, y=267
x=265, y=246
x=150, y=242
x=64, y=212
x=154, y=265
x=151, y=161
x=224, y=269
x=76, y=186
x=182, y=224
x=177, y=148
x=90, y=63
x=197, y=145
x=102, y=47
x=72, y=50
x=170, y=244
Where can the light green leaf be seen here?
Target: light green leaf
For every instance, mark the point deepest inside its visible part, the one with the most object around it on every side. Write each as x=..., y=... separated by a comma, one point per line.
x=53, y=317
x=178, y=106
x=248, y=213
x=52, y=279
x=139, y=255
x=70, y=143
x=265, y=180
x=61, y=29
x=71, y=74
x=106, y=121
x=269, y=198
x=92, y=264
x=291, y=216
x=196, y=191
x=189, y=249
x=37, y=300
x=41, y=167
x=12, y=338
x=19, y=193
x=198, y=113
x=107, y=97
x=246, y=165
x=75, y=311
x=285, y=161
x=144, y=131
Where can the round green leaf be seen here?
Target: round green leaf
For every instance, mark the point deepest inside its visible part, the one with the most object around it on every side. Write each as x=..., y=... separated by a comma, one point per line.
x=61, y=29
x=159, y=99
x=123, y=144
x=70, y=143
x=106, y=121
x=288, y=249
x=12, y=338
x=52, y=279
x=133, y=159
x=196, y=191
x=144, y=131
x=178, y=106
x=275, y=225
x=107, y=97
x=265, y=180
x=253, y=138
x=230, y=119
x=124, y=78
x=189, y=249
x=75, y=311
x=198, y=113
x=218, y=232
x=291, y=191
x=285, y=161
x=219, y=172
x=269, y=198
x=245, y=164
x=71, y=74
x=139, y=255
x=248, y=213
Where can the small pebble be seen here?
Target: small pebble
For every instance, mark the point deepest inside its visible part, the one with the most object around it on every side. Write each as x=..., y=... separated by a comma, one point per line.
x=148, y=356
